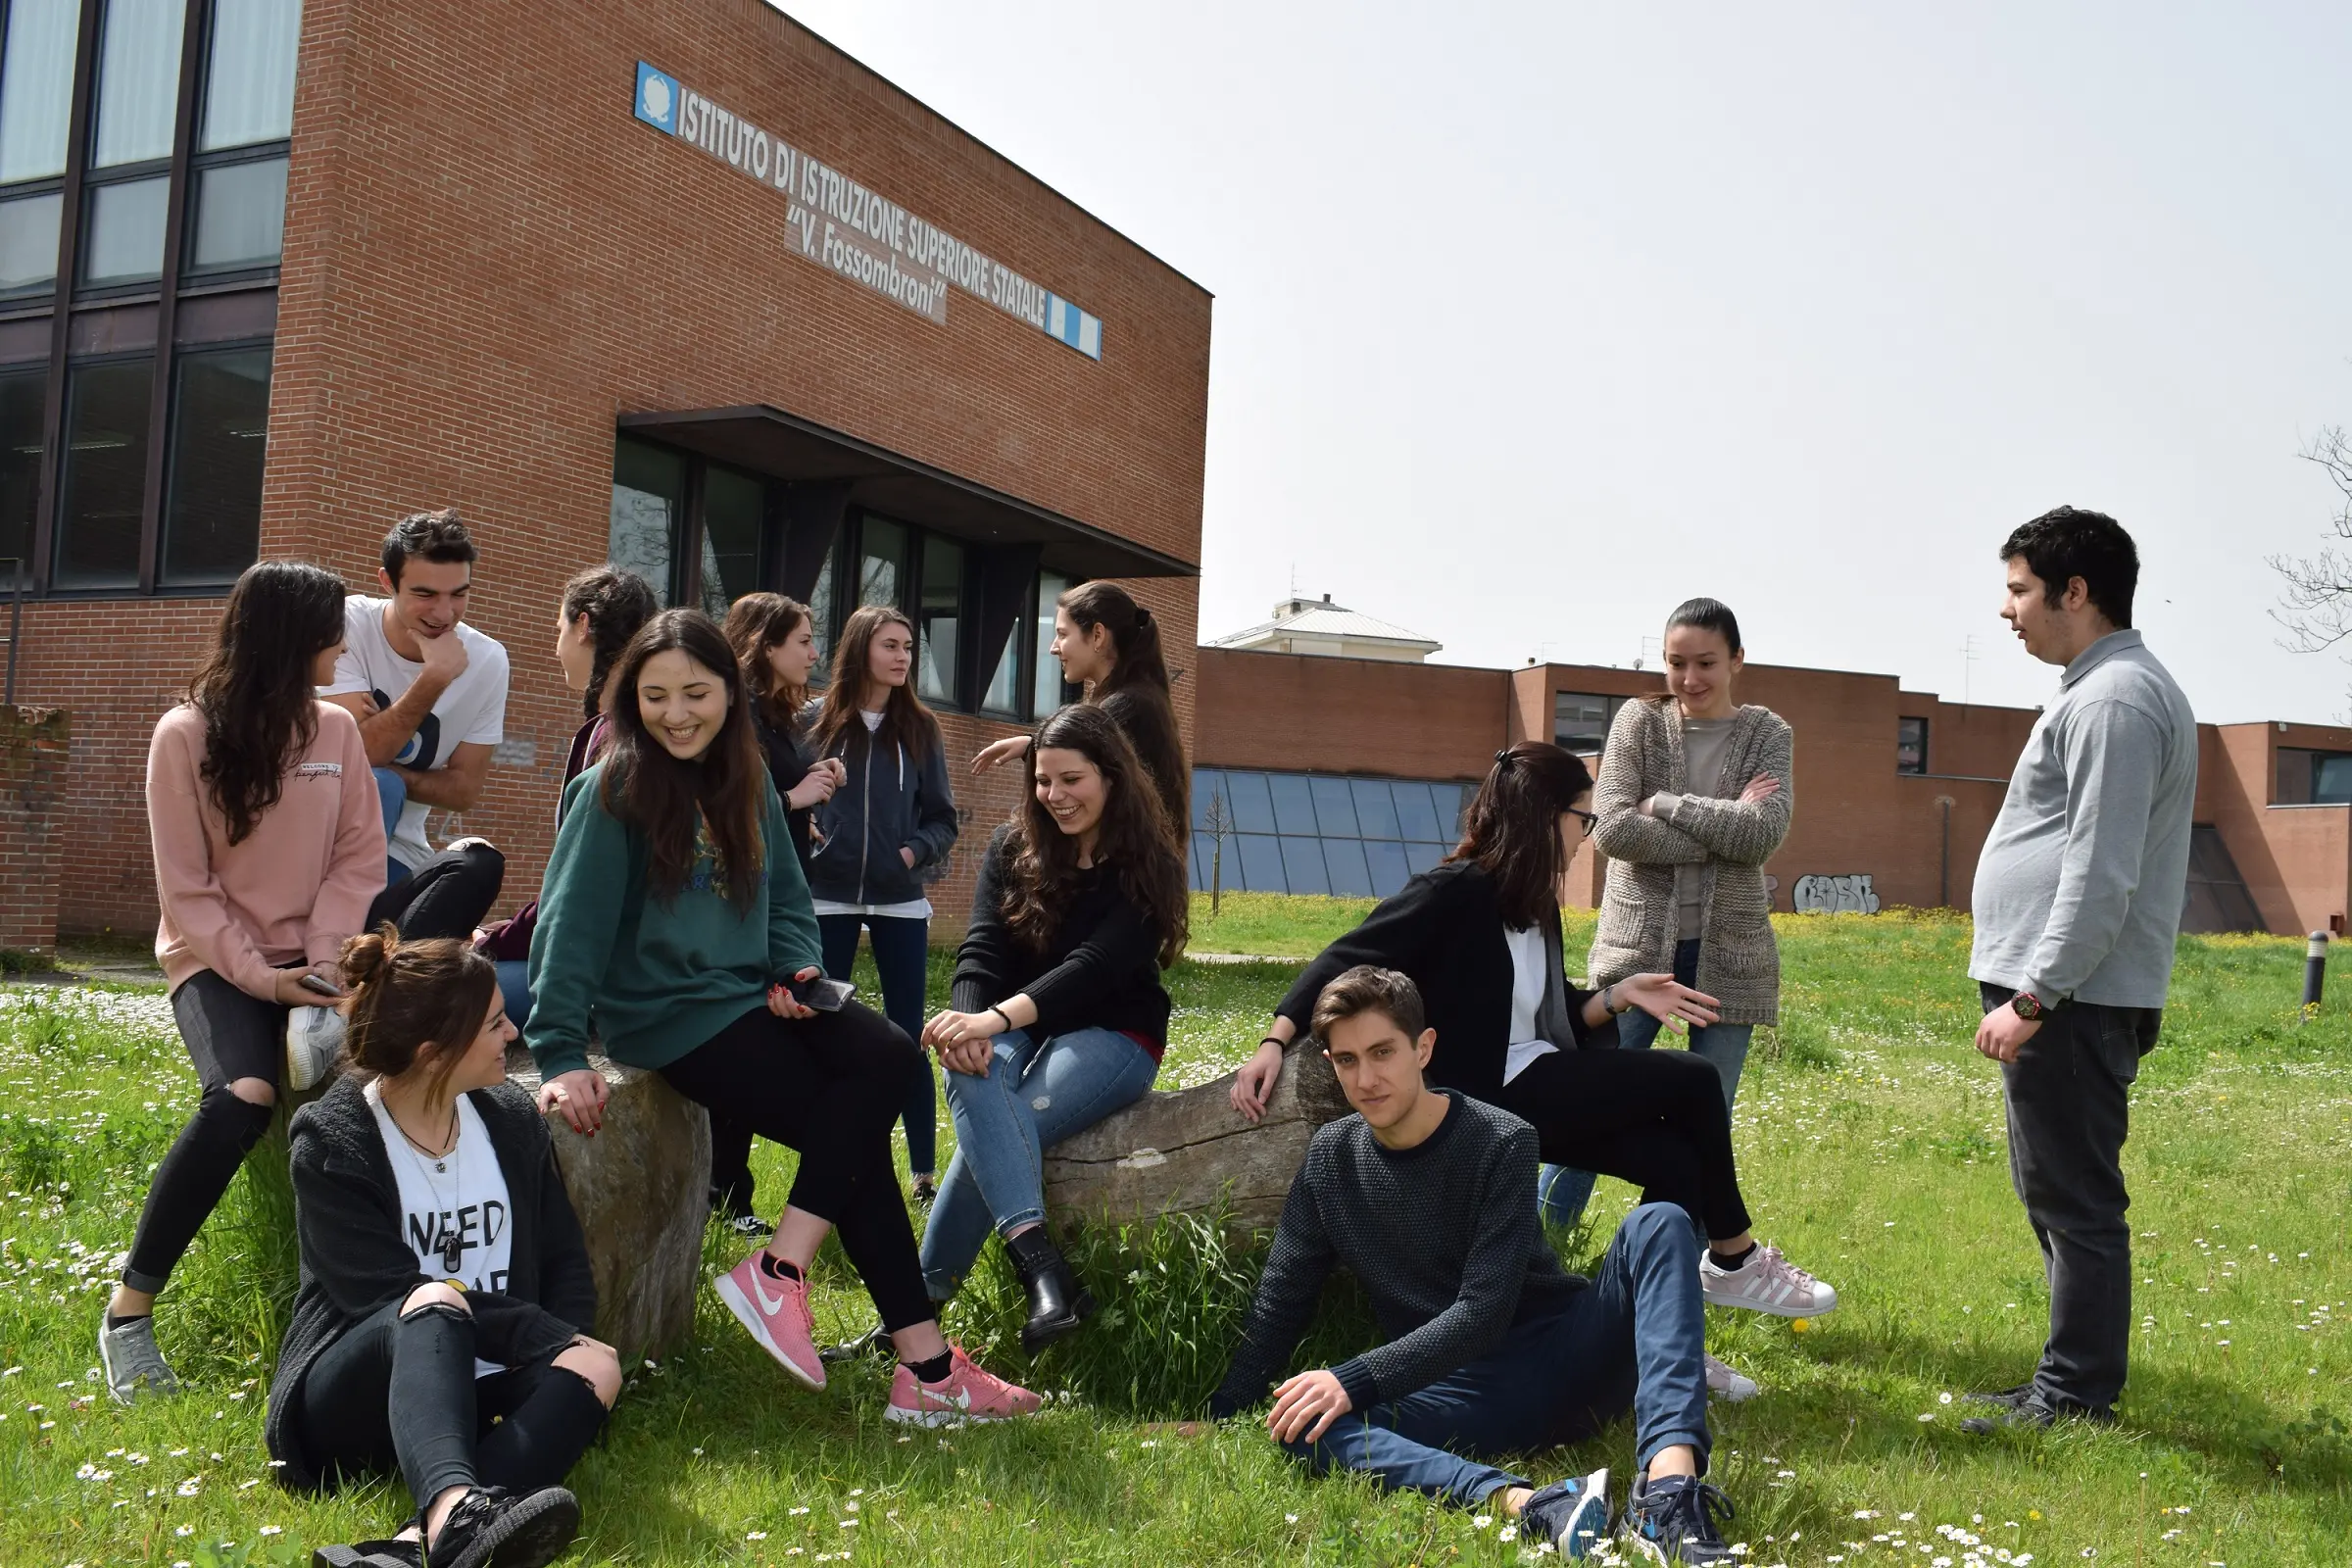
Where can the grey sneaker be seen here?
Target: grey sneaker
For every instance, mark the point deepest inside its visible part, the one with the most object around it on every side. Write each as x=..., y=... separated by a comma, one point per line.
x=1730, y=1386
x=314, y=1040
x=130, y=1355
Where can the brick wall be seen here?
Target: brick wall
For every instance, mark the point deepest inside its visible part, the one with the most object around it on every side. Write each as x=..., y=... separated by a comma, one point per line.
x=34, y=743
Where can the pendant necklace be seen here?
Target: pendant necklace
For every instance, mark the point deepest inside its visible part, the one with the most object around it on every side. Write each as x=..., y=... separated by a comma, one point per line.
x=452, y=1243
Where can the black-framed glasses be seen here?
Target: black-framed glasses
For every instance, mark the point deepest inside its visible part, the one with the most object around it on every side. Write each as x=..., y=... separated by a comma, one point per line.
x=1590, y=819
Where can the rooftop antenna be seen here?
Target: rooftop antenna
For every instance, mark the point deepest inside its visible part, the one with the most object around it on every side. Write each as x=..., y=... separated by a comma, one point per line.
x=1642, y=653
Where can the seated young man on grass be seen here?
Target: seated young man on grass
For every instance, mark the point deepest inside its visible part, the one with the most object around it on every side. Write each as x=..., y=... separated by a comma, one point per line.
x=1428, y=1197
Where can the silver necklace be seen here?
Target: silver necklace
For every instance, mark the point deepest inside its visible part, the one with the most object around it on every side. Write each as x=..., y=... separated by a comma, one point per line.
x=453, y=1242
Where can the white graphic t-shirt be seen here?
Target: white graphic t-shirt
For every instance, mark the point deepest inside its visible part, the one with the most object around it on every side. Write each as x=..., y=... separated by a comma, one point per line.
x=454, y=1211
x=473, y=709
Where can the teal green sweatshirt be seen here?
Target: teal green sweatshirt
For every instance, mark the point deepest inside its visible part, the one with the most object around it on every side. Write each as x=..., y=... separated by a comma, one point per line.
x=656, y=980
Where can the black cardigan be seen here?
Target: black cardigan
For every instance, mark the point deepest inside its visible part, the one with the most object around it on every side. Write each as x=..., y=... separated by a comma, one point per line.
x=789, y=759
x=1100, y=971
x=355, y=1263
x=1444, y=930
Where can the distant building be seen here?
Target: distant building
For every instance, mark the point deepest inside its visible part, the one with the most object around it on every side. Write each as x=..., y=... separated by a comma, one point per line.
x=1321, y=629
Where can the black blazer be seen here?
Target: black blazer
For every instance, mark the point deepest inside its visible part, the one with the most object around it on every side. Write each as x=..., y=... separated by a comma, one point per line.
x=354, y=1262
x=1099, y=971
x=1445, y=931
x=789, y=759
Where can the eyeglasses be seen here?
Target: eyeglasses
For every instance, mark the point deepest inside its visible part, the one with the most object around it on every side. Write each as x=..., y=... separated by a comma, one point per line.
x=1590, y=820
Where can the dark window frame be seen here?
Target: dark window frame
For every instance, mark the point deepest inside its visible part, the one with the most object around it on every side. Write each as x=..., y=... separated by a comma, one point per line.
x=1611, y=704
x=170, y=436
x=1927, y=732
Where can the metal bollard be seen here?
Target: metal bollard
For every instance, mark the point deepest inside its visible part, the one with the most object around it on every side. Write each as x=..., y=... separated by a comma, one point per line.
x=2315, y=972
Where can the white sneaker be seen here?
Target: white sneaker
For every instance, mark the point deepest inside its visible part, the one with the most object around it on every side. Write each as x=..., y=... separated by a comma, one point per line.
x=314, y=1040
x=1765, y=1282
x=1732, y=1388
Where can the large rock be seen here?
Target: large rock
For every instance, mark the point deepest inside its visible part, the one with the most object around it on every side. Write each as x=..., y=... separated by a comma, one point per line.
x=642, y=1189
x=1187, y=1152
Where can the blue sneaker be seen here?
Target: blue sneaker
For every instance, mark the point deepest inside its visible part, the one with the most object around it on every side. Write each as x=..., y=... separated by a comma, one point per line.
x=1572, y=1514
x=1677, y=1519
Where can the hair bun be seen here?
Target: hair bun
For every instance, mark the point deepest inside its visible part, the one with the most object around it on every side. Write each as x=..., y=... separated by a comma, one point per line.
x=368, y=954
x=1502, y=759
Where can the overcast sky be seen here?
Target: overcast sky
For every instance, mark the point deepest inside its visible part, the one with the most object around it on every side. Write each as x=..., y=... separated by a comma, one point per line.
x=1533, y=321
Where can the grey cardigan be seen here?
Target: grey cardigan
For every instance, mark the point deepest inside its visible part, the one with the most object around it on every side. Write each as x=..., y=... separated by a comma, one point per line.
x=1724, y=841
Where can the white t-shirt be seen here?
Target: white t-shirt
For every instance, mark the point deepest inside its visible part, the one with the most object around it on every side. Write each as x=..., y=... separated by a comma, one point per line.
x=1527, y=1000
x=910, y=909
x=470, y=711
x=454, y=1211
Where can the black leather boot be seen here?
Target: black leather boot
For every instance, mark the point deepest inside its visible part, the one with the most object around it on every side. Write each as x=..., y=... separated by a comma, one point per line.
x=1057, y=1303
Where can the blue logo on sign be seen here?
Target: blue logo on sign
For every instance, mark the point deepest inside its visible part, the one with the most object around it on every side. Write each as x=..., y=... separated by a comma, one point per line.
x=657, y=97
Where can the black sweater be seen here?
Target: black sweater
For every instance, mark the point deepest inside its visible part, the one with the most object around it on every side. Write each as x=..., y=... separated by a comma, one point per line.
x=1100, y=971
x=1443, y=1235
x=355, y=1263
x=1444, y=930
x=789, y=759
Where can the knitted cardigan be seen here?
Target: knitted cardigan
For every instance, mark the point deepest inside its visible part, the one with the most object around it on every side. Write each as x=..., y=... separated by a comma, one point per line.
x=1725, y=840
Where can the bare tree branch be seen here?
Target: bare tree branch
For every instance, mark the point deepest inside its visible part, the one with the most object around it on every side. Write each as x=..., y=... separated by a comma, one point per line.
x=2318, y=594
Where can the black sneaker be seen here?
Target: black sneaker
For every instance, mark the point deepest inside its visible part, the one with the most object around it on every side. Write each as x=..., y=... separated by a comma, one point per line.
x=1677, y=1519
x=873, y=1342
x=1572, y=1514
x=371, y=1554
x=751, y=1225
x=492, y=1528
x=2034, y=1413
x=2006, y=1399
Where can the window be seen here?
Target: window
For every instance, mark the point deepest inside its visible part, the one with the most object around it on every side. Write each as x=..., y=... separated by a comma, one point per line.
x=1580, y=720
x=1263, y=832
x=220, y=427
x=1046, y=686
x=240, y=215
x=1003, y=693
x=28, y=242
x=21, y=395
x=734, y=514
x=2313, y=778
x=938, y=618
x=124, y=242
x=881, y=563
x=138, y=81
x=249, y=82
x=104, y=486
x=1910, y=746
x=36, y=88
x=649, y=502
x=822, y=621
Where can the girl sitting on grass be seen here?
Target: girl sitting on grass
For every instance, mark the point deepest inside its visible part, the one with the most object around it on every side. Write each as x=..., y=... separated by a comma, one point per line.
x=440, y=1327
x=1059, y=1018
x=673, y=913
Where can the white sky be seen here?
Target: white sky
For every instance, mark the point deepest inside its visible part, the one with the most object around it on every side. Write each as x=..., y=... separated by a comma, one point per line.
x=1533, y=321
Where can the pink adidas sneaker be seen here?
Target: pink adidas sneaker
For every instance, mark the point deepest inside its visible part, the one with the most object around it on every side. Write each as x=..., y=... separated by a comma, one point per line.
x=776, y=1313
x=971, y=1393
x=1765, y=1282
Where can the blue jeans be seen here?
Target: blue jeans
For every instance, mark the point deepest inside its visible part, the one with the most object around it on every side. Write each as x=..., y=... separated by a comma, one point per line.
x=1562, y=1191
x=515, y=989
x=902, y=956
x=1033, y=1098
x=392, y=794
x=1636, y=1339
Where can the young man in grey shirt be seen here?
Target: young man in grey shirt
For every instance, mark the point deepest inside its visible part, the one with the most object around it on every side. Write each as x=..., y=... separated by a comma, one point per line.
x=2077, y=904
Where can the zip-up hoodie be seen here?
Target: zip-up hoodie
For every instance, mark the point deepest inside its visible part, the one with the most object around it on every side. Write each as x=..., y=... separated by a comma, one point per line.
x=888, y=802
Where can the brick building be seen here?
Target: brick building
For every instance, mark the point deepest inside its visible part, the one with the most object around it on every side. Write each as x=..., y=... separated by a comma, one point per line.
x=683, y=285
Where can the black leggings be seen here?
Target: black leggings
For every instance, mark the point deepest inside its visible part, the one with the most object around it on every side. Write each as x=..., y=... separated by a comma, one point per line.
x=731, y=1180
x=230, y=1035
x=398, y=1391
x=1655, y=1118
x=830, y=1087
x=446, y=897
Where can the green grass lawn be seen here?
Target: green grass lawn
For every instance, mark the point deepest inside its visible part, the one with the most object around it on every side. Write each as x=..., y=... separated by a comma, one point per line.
x=1871, y=1148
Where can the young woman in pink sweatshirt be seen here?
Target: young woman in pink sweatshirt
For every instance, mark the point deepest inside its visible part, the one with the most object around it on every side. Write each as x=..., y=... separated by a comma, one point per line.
x=269, y=846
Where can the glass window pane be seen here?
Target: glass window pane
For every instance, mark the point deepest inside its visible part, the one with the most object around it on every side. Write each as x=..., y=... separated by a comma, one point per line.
x=105, y=475
x=249, y=83
x=1252, y=805
x=1388, y=865
x=219, y=431
x=1421, y=857
x=1294, y=803
x=2330, y=778
x=1208, y=783
x=1261, y=865
x=1350, y=877
x=21, y=395
x=1044, y=678
x=240, y=214
x=1375, y=809
x=1004, y=693
x=939, y=617
x=1415, y=818
x=28, y=242
x=733, y=504
x=1580, y=722
x=36, y=88
x=881, y=563
x=1910, y=746
x=1199, y=868
x=1335, y=806
x=138, y=79
x=649, y=489
x=1302, y=864
x=125, y=242
x=820, y=617
x=1449, y=800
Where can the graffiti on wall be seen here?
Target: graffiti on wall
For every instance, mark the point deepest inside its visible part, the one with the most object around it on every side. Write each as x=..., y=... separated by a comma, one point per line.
x=1835, y=895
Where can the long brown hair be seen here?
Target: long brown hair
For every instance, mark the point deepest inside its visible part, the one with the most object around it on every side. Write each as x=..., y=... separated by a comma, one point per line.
x=905, y=719
x=722, y=793
x=407, y=995
x=1512, y=829
x=1139, y=678
x=616, y=602
x=254, y=689
x=755, y=623
x=1132, y=839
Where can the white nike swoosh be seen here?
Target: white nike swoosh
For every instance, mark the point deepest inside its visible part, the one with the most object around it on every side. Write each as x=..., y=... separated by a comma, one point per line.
x=769, y=1305
x=962, y=1402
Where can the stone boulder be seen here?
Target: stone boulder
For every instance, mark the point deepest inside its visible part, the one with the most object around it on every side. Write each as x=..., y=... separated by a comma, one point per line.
x=642, y=1189
x=1185, y=1152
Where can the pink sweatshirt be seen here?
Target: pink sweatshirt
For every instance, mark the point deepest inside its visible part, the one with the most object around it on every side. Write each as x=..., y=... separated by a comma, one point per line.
x=297, y=885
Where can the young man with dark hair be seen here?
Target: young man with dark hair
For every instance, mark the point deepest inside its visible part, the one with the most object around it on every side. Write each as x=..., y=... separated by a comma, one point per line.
x=1428, y=1197
x=430, y=695
x=2077, y=904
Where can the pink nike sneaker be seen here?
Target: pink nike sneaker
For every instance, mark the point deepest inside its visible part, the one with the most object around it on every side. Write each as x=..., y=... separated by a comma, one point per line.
x=971, y=1393
x=776, y=1313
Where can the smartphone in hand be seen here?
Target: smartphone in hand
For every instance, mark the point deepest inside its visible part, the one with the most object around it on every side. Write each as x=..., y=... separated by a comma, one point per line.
x=312, y=982
x=822, y=993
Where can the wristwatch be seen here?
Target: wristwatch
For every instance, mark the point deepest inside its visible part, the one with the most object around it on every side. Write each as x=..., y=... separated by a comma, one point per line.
x=2027, y=1007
